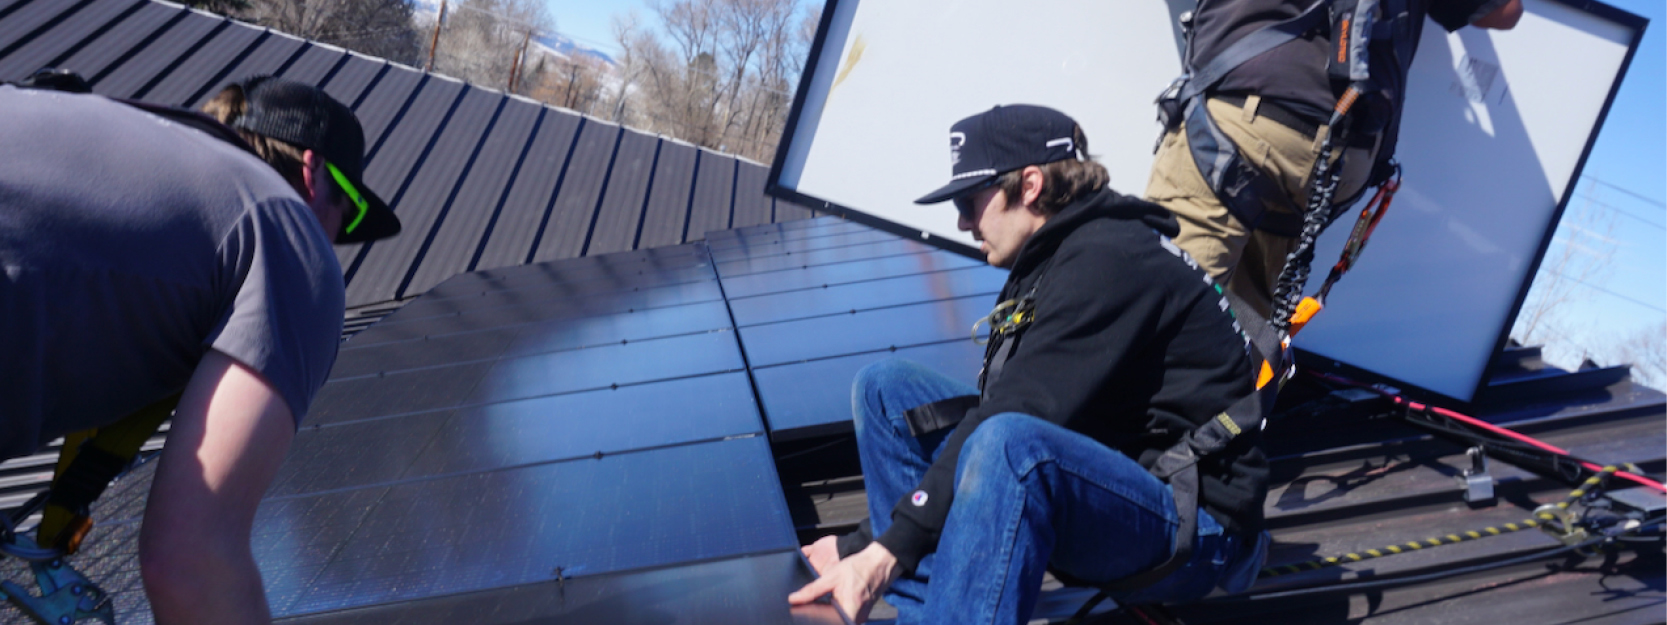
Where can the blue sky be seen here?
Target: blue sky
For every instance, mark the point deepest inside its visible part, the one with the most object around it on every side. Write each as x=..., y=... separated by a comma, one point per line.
x=1617, y=209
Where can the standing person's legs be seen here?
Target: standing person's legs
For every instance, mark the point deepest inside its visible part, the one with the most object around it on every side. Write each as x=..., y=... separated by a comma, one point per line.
x=893, y=460
x=1029, y=492
x=1247, y=262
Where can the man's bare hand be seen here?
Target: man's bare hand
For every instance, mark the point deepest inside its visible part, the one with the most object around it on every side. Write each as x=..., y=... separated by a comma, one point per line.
x=856, y=582
x=822, y=554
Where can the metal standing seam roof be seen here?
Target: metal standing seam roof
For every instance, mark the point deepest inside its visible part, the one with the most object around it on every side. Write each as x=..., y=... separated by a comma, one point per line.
x=480, y=179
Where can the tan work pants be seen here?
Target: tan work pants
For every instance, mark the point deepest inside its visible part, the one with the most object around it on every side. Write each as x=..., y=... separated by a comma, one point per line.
x=1246, y=262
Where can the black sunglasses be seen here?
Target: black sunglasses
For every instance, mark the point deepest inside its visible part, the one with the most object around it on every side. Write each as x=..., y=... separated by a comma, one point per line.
x=963, y=202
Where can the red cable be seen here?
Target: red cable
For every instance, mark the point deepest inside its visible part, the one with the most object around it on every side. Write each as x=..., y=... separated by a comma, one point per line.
x=1647, y=482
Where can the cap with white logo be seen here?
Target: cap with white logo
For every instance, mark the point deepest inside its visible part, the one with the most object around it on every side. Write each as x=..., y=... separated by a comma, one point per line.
x=1001, y=140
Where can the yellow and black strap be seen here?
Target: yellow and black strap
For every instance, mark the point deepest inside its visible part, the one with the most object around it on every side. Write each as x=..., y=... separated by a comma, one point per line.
x=90, y=460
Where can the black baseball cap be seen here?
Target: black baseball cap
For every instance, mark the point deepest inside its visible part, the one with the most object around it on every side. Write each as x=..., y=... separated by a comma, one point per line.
x=305, y=116
x=1001, y=140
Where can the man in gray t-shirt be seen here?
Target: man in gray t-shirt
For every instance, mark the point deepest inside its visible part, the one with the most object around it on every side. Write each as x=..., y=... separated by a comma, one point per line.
x=143, y=257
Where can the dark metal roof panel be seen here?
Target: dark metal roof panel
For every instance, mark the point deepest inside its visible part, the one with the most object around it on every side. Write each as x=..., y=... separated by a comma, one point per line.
x=429, y=193
x=712, y=205
x=787, y=211
x=511, y=234
x=752, y=206
x=314, y=63
x=124, y=40
x=160, y=51
x=563, y=233
x=621, y=210
x=482, y=197
x=272, y=52
x=349, y=79
x=30, y=21
x=206, y=63
x=668, y=200
x=48, y=45
x=384, y=95
x=394, y=159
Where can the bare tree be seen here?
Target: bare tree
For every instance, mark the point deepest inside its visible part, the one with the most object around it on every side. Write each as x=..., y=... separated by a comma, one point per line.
x=1582, y=256
x=575, y=82
x=381, y=28
x=481, y=40
x=722, y=76
x=1646, y=350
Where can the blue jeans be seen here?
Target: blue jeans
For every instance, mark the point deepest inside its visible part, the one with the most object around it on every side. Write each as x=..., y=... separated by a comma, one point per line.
x=1028, y=494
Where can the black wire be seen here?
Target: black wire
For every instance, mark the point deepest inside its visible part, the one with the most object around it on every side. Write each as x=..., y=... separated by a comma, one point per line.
x=1399, y=581
x=1415, y=579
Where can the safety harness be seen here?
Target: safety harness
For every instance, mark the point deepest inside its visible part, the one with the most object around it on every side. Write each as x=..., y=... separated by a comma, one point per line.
x=1177, y=465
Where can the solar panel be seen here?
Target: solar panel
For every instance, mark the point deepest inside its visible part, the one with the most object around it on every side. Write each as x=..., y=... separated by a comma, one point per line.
x=750, y=589
x=517, y=526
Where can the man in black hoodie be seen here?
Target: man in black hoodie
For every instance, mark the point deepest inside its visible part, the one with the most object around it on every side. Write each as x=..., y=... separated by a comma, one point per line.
x=1107, y=345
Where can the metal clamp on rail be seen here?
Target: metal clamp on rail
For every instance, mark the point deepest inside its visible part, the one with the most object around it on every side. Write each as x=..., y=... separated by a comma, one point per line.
x=1475, y=481
x=66, y=596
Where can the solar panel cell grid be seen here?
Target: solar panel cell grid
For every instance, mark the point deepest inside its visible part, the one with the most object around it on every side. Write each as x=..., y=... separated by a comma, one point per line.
x=818, y=276
x=496, y=529
x=541, y=310
x=873, y=330
x=608, y=421
x=355, y=455
x=825, y=256
x=601, y=367
x=814, y=398
x=910, y=289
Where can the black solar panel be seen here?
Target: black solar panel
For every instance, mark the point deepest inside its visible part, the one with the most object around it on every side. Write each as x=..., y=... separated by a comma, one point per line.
x=502, y=528
x=858, y=296
x=817, y=276
x=814, y=398
x=738, y=590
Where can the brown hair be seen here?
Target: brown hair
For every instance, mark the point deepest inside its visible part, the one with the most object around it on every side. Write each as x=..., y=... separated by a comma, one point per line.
x=228, y=106
x=1063, y=182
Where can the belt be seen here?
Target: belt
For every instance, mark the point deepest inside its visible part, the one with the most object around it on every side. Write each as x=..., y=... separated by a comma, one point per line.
x=1277, y=112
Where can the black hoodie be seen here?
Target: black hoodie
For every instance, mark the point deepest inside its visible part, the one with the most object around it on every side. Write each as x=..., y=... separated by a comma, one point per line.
x=1131, y=345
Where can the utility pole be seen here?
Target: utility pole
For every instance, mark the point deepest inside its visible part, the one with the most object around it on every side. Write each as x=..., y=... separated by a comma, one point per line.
x=434, y=43
x=520, y=60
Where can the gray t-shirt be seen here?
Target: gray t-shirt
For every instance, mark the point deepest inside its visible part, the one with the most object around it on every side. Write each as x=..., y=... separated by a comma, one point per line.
x=131, y=245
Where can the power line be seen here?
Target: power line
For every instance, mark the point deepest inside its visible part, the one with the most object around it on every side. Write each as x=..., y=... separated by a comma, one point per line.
x=1604, y=290
x=1618, y=209
x=1626, y=191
